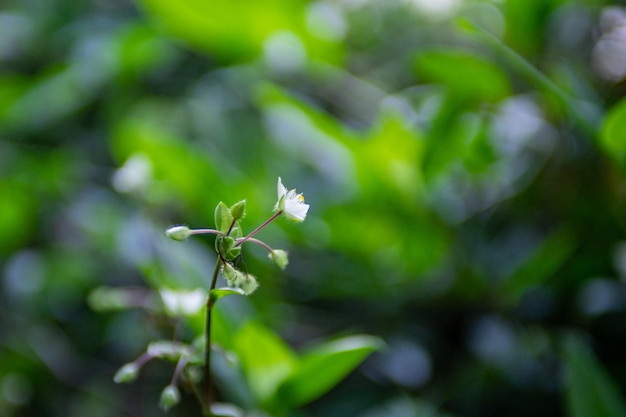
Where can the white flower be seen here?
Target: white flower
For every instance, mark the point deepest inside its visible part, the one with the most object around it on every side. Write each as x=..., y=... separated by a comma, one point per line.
x=291, y=203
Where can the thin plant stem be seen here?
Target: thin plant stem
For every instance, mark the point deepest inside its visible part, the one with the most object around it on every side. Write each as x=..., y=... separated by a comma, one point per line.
x=258, y=229
x=260, y=243
x=205, y=231
x=179, y=369
x=208, y=378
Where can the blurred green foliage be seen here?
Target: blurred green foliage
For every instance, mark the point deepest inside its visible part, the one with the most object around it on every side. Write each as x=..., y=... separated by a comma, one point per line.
x=464, y=162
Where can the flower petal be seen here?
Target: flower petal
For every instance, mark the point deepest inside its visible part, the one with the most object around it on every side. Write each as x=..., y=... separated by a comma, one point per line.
x=281, y=188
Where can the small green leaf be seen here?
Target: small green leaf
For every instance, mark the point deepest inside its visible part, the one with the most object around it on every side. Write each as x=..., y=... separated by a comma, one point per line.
x=324, y=366
x=589, y=390
x=223, y=218
x=218, y=293
x=226, y=247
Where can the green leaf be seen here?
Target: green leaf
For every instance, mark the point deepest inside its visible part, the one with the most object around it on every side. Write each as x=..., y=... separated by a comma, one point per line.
x=218, y=293
x=323, y=367
x=265, y=359
x=223, y=218
x=589, y=390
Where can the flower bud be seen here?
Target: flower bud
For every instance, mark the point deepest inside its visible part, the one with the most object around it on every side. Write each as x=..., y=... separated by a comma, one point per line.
x=238, y=210
x=170, y=396
x=179, y=233
x=127, y=373
x=279, y=257
x=249, y=284
x=231, y=275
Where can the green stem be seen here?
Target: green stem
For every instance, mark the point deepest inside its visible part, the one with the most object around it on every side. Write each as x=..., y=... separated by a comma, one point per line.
x=208, y=379
x=258, y=229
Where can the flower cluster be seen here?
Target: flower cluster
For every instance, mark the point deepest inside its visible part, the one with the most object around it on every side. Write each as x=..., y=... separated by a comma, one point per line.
x=228, y=245
x=229, y=241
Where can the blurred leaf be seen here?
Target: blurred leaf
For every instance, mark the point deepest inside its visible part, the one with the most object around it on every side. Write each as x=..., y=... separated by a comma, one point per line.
x=185, y=170
x=451, y=137
x=235, y=31
x=11, y=89
x=223, y=328
x=466, y=75
x=572, y=106
x=265, y=359
x=539, y=267
x=589, y=390
x=324, y=366
x=226, y=410
x=613, y=133
x=139, y=48
x=17, y=210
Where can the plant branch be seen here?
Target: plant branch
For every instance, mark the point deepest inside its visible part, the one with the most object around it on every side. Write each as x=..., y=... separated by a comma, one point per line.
x=258, y=229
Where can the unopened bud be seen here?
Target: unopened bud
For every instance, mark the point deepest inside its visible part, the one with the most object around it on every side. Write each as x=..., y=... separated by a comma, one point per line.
x=249, y=284
x=238, y=210
x=127, y=373
x=229, y=273
x=179, y=233
x=279, y=257
x=170, y=396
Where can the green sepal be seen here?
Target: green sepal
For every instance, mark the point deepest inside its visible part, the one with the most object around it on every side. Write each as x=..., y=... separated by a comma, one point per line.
x=218, y=293
x=223, y=218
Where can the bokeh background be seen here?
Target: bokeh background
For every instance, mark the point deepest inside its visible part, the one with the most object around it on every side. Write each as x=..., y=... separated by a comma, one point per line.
x=463, y=159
